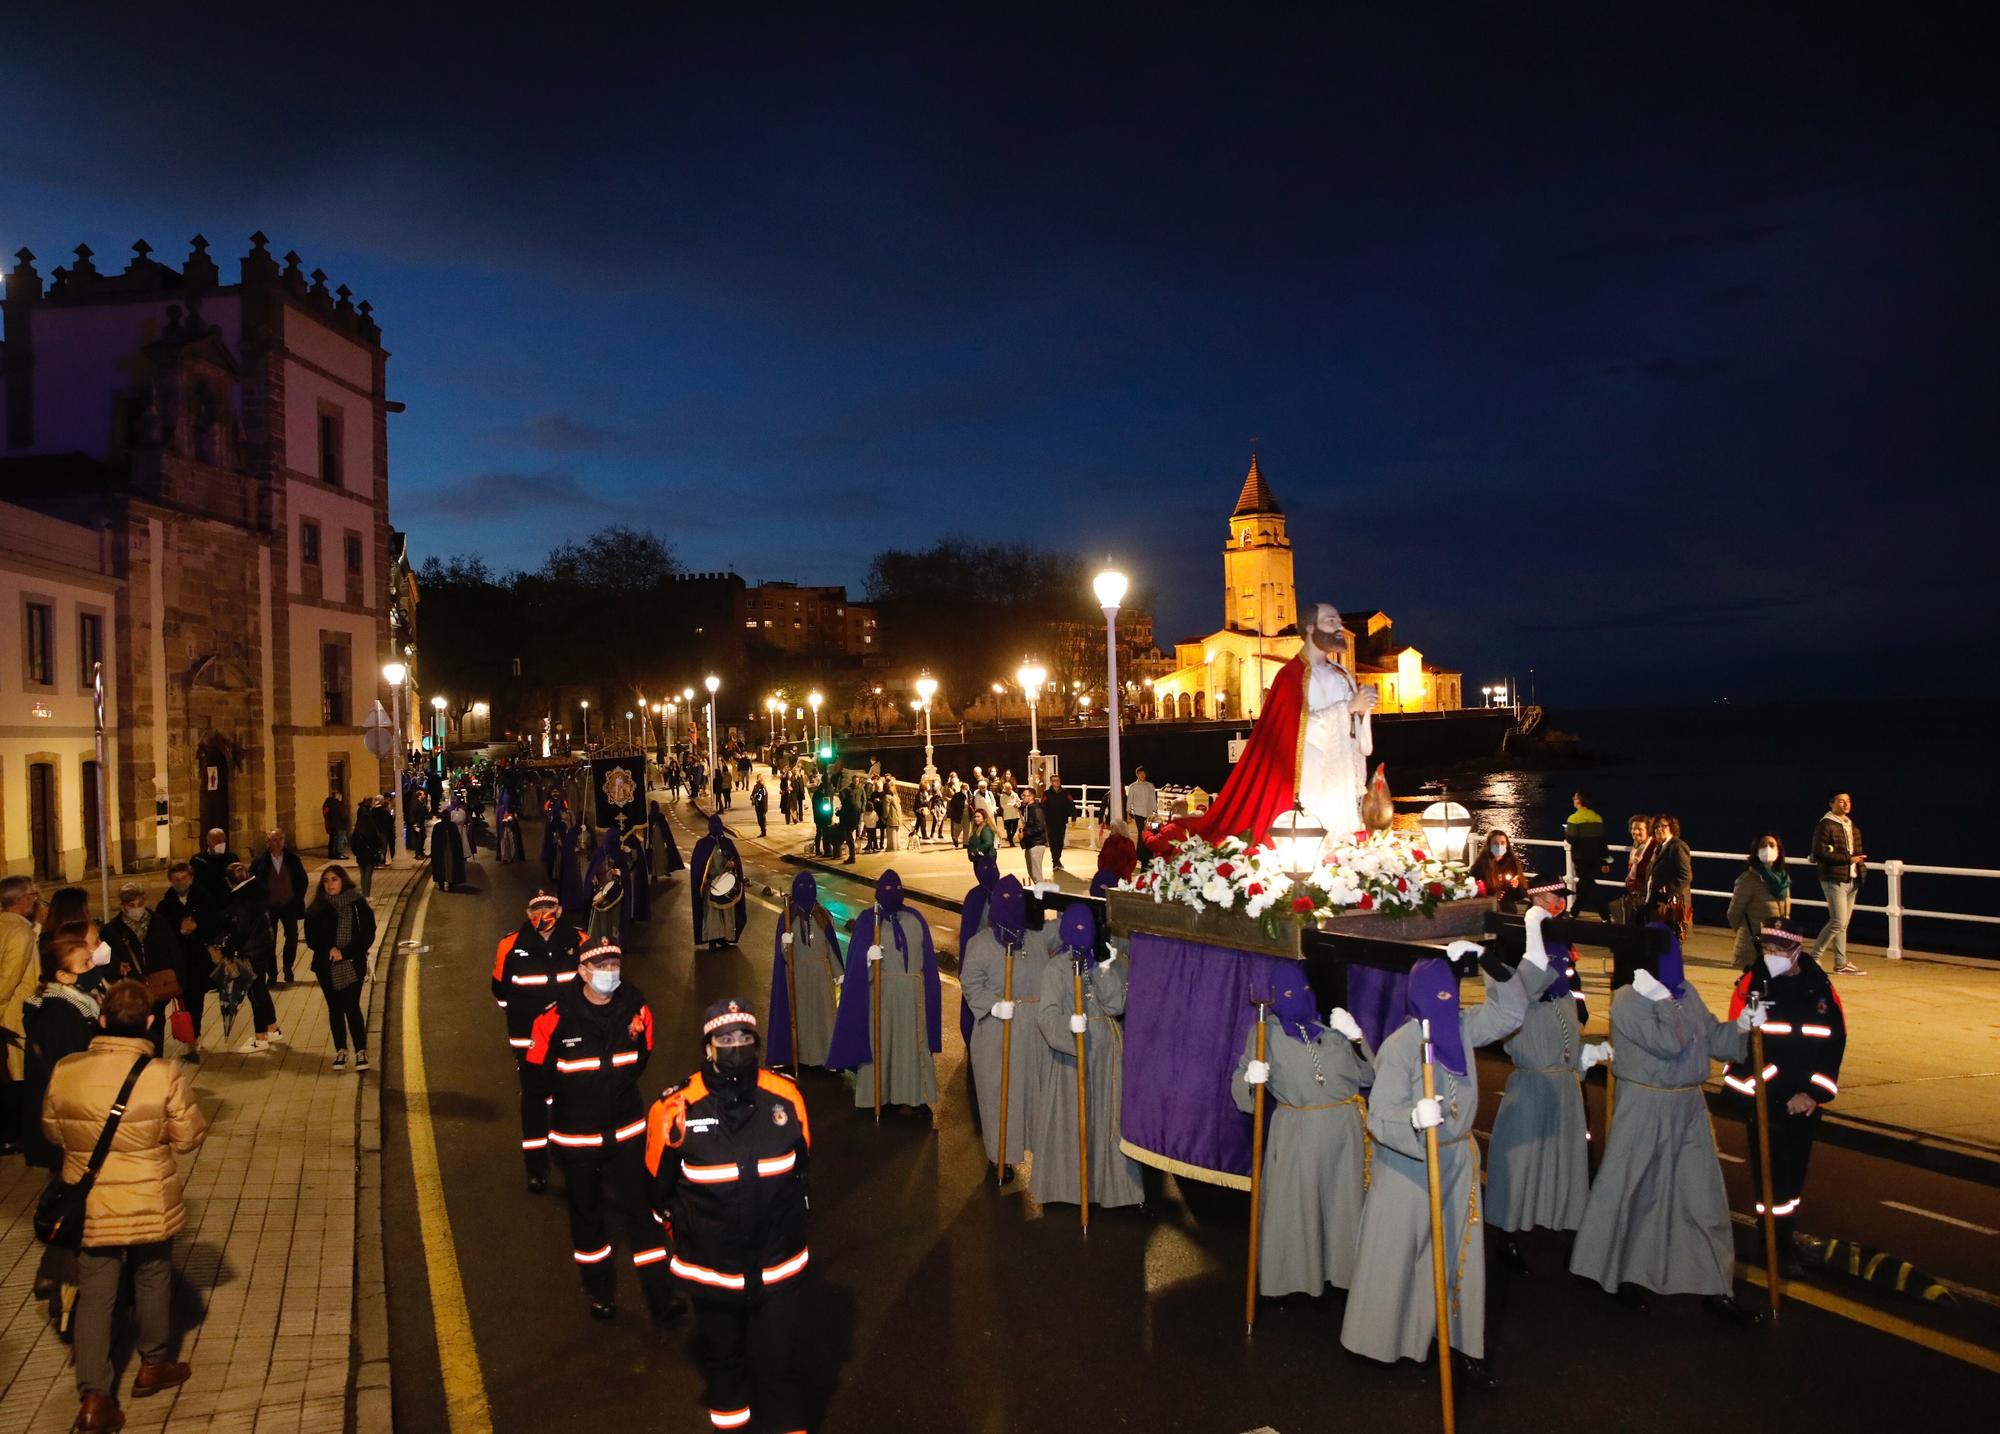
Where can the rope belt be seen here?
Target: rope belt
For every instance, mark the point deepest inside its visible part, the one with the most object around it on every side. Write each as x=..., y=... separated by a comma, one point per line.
x=1551, y=1070
x=1367, y=1141
x=1667, y=1089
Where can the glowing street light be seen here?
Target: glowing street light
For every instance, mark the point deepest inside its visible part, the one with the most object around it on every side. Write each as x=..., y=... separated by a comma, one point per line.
x=1110, y=586
x=813, y=699
x=586, y=721
x=396, y=674
x=927, y=689
x=1031, y=675
x=713, y=684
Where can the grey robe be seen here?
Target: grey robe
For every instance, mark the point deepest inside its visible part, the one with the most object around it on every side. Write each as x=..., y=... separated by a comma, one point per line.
x=909, y=1074
x=1658, y=1215
x=1315, y=1158
x=1538, y=1161
x=1391, y=1313
x=1114, y=1175
x=816, y=975
x=982, y=974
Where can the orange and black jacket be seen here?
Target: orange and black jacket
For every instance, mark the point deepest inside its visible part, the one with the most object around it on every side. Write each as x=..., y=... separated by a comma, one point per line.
x=729, y=1184
x=594, y=1056
x=527, y=971
x=1804, y=1037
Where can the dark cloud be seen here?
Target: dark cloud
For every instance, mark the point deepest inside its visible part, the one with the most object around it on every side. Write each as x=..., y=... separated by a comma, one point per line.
x=500, y=497
x=562, y=433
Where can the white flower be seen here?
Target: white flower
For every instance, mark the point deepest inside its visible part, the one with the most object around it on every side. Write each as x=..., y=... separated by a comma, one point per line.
x=1218, y=890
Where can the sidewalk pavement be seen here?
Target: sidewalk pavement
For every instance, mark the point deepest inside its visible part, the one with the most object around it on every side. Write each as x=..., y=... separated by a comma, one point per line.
x=266, y=1301
x=1921, y=1078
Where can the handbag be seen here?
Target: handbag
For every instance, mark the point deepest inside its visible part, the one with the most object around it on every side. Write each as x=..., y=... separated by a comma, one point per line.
x=181, y=1023
x=163, y=985
x=343, y=974
x=60, y=1210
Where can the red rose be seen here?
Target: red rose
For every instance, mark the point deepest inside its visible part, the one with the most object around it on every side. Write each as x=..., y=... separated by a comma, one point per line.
x=1436, y=890
x=1256, y=888
x=1419, y=856
x=1302, y=904
x=1367, y=902
x=1186, y=867
x=1402, y=885
x=1225, y=870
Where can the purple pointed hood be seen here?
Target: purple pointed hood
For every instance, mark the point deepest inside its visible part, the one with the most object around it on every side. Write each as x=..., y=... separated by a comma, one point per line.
x=1008, y=911
x=1667, y=968
x=1433, y=997
x=805, y=893
x=1077, y=933
x=889, y=891
x=1297, y=1010
x=986, y=871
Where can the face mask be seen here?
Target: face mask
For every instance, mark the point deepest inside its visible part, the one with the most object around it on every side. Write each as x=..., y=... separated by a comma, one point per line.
x=219, y=848
x=604, y=982
x=1498, y=848
x=1777, y=965
x=542, y=921
x=135, y=911
x=100, y=954
x=736, y=1062
x=1767, y=854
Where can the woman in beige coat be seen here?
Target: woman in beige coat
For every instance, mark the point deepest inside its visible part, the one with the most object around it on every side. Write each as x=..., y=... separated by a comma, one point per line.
x=1761, y=897
x=135, y=1208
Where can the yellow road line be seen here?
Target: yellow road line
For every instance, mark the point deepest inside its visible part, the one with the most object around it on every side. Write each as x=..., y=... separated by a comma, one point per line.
x=1975, y=1355
x=458, y=1355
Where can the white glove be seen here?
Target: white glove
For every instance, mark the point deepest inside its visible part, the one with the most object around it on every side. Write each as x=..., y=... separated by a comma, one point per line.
x=1078, y=1024
x=1427, y=1114
x=1344, y=1023
x=1003, y=1010
x=1753, y=1017
x=1458, y=950
x=1648, y=985
x=874, y=953
x=1110, y=955
x=1257, y=1072
x=786, y=939
x=1596, y=1054
x=1536, y=916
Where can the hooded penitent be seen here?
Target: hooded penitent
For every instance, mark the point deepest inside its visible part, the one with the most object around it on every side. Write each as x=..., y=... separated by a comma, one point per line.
x=1433, y=997
x=713, y=855
x=1077, y=934
x=851, y=1036
x=1297, y=1011
x=1666, y=965
x=1009, y=911
x=973, y=911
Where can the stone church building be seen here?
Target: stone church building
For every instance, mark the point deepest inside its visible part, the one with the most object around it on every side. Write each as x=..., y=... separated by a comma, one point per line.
x=207, y=466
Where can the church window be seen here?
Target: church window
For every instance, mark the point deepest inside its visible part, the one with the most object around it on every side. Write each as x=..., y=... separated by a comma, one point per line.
x=336, y=666
x=354, y=552
x=330, y=444
x=89, y=648
x=308, y=540
x=40, y=619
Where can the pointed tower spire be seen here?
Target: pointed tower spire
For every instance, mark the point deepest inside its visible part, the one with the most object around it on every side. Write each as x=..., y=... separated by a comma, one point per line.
x=1256, y=495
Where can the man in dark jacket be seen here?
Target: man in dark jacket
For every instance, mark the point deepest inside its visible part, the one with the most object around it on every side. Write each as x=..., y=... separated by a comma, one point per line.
x=530, y=969
x=593, y=1044
x=727, y=1153
x=1842, y=862
x=211, y=868
x=333, y=812
x=1805, y=1037
x=283, y=878
x=183, y=925
x=1059, y=809
x=243, y=947
x=1589, y=855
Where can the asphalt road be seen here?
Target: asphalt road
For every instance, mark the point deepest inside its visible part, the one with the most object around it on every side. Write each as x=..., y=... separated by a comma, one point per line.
x=938, y=1304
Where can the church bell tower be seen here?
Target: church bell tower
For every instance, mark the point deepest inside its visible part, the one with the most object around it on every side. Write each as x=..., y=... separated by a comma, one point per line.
x=1258, y=596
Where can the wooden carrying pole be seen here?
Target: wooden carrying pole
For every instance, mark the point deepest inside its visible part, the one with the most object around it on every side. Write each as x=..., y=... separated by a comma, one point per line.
x=1256, y=1175
x=1006, y=1071
x=1770, y=1220
x=1082, y=1104
x=1437, y=1246
x=875, y=1012
x=792, y=982
x=1610, y=1103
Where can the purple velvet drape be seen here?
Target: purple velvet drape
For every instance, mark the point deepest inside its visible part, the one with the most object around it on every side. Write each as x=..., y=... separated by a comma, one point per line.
x=1187, y=1015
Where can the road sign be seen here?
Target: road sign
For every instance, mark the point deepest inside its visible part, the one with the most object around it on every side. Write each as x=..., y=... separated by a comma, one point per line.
x=376, y=734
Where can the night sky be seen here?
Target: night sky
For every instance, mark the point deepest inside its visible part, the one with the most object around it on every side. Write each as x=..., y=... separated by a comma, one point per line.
x=1651, y=347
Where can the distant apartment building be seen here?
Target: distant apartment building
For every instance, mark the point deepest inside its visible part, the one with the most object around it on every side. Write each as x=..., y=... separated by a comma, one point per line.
x=226, y=444
x=808, y=621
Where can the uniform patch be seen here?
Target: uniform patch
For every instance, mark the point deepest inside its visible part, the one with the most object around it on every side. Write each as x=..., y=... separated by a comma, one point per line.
x=778, y=1116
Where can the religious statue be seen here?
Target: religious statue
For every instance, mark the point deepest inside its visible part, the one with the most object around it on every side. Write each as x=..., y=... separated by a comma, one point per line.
x=1310, y=745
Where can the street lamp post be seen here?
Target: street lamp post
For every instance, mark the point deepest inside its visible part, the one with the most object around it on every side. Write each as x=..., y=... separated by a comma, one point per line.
x=437, y=708
x=712, y=683
x=926, y=689
x=395, y=673
x=1031, y=677
x=813, y=700
x=1110, y=589
x=628, y=726
x=586, y=722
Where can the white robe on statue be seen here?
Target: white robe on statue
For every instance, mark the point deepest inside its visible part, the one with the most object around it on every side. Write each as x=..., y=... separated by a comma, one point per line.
x=1339, y=739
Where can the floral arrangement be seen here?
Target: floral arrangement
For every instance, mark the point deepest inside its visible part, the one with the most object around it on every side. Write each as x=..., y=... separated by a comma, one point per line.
x=1375, y=871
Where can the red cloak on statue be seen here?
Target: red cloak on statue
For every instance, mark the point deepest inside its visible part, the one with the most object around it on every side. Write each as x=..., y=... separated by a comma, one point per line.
x=1265, y=781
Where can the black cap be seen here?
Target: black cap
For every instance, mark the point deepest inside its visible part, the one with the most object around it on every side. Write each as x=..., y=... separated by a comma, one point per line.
x=725, y=1013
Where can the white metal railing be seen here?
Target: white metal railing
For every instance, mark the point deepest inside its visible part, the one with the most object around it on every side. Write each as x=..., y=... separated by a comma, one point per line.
x=1893, y=871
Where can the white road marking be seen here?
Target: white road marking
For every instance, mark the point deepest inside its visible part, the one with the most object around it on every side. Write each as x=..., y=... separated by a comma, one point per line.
x=1946, y=1219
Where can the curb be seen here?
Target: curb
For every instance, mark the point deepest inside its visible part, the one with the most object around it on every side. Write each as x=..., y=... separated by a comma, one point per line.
x=371, y=1409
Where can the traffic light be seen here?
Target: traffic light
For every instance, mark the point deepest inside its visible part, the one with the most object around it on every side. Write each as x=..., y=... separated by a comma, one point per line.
x=826, y=749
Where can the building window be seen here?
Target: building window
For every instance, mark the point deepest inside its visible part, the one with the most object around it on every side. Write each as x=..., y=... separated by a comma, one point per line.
x=751, y=623
x=41, y=644
x=517, y=667
x=354, y=552
x=89, y=648
x=336, y=666
x=309, y=541
x=330, y=445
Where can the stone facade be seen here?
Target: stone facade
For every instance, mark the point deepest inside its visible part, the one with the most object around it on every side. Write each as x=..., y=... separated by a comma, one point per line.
x=230, y=441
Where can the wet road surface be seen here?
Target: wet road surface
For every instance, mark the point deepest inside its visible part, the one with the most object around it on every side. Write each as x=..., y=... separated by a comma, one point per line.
x=937, y=1303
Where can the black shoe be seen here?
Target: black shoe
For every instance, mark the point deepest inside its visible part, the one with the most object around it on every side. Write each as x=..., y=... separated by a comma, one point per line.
x=1470, y=1373
x=1725, y=1307
x=1510, y=1254
x=1633, y=1297
x=603, y=1309
x=537, y=1184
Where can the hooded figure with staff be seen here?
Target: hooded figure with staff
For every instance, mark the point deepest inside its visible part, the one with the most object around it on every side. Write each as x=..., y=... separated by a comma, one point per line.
x=1061, y=1124
x=1391, y=1306
x=1002, y=971
x=1316, y=1157
x=720, y=904
x=888, y=1030
x=805, y=979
